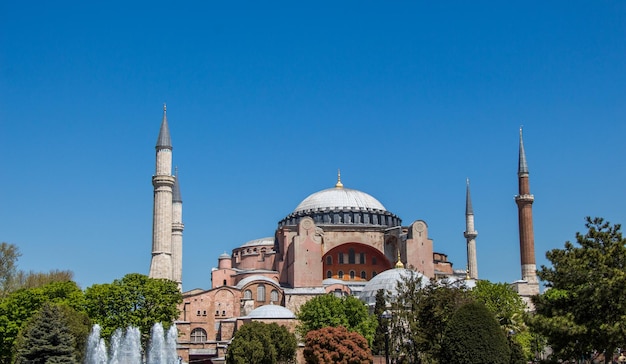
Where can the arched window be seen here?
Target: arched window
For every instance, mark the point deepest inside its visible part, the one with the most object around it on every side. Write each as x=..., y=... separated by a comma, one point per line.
x=351, y=275
x=363, y=275
x=329, y=260
x=329, y=274
x=373, y=274
x=274, y=296
x=351, y=256
x=224, y=282
x=374, y=260
x=260, y=293
x=198, y=335
x=340, y=274
x=247, y=294
x=340, y=258
x=362, y=258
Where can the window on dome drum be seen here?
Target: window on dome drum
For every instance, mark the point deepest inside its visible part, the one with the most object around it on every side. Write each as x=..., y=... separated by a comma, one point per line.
x=260, y=293
x=352, y=275
x=198, y=335
x=340, y=274
x=329, y=274
x=363, y=275
x=274, y=296
x=329, y=260
x=351, y=259
x=247, y=294
x=362, y=258
x=340, y=258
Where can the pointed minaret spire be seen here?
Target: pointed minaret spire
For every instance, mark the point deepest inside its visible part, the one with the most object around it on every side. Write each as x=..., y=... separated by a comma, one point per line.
x=524, y=202
x=470, y=235
x=164, y=140
x=163, y=183
x=177, y=232
x=176, y=196
x=339, y=184
x=468, y=200
x=522, y=165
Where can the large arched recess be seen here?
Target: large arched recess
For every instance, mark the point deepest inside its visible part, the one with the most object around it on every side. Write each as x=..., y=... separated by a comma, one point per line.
x=354, y=261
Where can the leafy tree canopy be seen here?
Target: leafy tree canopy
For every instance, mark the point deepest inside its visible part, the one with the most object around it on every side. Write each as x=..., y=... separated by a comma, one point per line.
x=583, y=310
x=473, y=336
x=47, y=338
x=9, y=255
x=20, y=305
x=336, y=345
x=260, y=343
x=329, y=310
x=420, y=316
x=135, y=300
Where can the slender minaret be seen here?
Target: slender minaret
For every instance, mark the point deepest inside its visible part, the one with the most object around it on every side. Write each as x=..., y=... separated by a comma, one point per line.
x=524, y=202
x=163, y=182
x=177, y=233
x=470, y=235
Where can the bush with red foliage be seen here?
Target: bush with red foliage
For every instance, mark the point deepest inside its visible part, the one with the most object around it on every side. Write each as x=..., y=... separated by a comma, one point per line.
x=336, y=345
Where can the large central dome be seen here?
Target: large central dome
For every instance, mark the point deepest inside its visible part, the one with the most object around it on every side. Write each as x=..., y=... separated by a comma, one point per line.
x=339, y=198
x=342, y=206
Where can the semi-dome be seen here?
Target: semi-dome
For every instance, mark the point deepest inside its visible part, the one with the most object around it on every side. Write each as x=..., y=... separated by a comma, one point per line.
x=388, y=281
x=271, y=312
x=339, y=198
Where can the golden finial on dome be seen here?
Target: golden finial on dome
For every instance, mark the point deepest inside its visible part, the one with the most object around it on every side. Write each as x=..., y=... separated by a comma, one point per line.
x=467, y=276
x=339, y=184
x=399, y=264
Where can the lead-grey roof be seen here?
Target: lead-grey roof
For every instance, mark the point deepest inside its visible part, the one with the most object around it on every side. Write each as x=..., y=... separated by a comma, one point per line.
x=388, y=281
x=257, y=242
x=164, y=140
x=271, y=312
x=242, y=283
x=176, y=196
x=523, y=165
x=339, y=198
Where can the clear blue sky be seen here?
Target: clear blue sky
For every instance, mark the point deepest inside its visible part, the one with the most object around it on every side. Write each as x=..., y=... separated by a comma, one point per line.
x=265, y=102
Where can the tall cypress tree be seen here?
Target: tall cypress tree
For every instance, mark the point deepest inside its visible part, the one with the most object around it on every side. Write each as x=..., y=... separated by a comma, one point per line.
x=378, y=346
x=46, y=338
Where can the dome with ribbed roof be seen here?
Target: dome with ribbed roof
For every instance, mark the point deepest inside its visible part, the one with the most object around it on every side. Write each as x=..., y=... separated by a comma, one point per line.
x=388, y=281
x=339, y=198
x=271, y=312
x=342, y=206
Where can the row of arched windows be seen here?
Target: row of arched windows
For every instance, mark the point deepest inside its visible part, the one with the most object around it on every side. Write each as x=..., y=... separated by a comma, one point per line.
x=351, y=258
x=352, y=274
x=260, y=294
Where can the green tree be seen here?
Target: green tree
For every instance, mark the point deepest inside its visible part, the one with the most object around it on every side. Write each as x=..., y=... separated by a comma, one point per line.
x=9, y=255
x=135, y=300
x=47, y=338
x=381, y=334
x=420, y=315
x=509, y=310
x=584, y=308
x=260, y=343
x=17, y=308
x=336, y=345
x=329, y=310
x=473, y=336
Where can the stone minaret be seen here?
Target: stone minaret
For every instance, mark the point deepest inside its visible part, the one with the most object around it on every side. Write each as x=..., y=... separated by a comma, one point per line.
x=177, y=234
x=470, y=235
x=163, y=182
x=524, y=202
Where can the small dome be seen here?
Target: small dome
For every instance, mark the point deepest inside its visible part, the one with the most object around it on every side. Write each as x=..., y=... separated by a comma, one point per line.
x=257, y=242
x=340, y=198
x=223, y=256
x=388, y=281
x=271, y=312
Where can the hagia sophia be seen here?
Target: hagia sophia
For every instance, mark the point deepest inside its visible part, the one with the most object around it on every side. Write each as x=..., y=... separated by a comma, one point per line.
x=338, y=240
